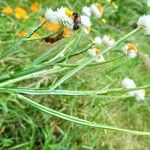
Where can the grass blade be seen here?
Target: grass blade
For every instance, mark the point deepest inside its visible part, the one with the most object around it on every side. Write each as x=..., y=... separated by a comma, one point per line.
x=75, y=119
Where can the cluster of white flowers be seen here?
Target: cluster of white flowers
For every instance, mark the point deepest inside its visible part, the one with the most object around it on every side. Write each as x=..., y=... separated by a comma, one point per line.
x=130, y=50
x=128, y=83
x=62, y=16
x=106, y=40
x=85, y=21
x=65, y=17
x=95, y=9
x=144, y=24
x=96, y=53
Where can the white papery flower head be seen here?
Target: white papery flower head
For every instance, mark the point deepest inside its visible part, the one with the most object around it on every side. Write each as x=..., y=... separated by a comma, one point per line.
x=51, y=16
x=140, y=95
x=86, y=11
x=85, y=21
x=130, y=50
x=97, y=10
x=97, y=40
x=108, y=40
x=128, y=83
x=65, y=17
x=144, y=24
x=95, y=52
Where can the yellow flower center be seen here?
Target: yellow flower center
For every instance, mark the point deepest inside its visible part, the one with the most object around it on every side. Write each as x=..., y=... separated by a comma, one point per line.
x=67, y=32
x=97, y=51
x=52, y=26
x=7, y=10
x=20, y=13
x=88, y=29
x=132, y=47
x=35, y=7
x=69, y=13
x=100, y=7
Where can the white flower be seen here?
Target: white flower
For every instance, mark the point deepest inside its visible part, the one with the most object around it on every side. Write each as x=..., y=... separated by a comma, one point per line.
x=108, y=40
x=97, y=40
x=144, y=24
x=85, y=21
x=94, y=52
x=140, y=95
x=65, y=17
x=130, y=50
x=97, y=10
x=86, y=11
x=51, y=16
x=128, y=83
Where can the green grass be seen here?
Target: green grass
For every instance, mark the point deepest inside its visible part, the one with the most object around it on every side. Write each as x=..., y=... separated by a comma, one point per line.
x=39, y=121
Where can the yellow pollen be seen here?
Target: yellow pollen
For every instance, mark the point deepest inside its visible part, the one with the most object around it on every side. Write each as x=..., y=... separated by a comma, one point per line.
x=131, y=47
x=7, y=10
x=52, y=26
x=100, y=7
x=67, y=32
x=69, y=13
x=97, y=51
x=88, y=29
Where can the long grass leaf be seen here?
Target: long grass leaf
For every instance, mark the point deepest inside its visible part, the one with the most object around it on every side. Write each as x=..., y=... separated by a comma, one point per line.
x=75, y=119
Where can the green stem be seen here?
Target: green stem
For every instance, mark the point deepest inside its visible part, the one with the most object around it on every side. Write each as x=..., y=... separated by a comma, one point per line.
x=28, y=39
x=14, y=47
x=32, y=75
x=68, y=92
x=72, y=72
x=75, y=119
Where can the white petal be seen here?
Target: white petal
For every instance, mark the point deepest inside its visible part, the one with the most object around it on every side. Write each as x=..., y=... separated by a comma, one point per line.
x=86, y=11
x=144, y=23
x=140, y=95
x=97, y=40
x=128, y=83
x=85, y=21
x=95, y=11
x=64, y=19
x=51, y=16
x=108, y=41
